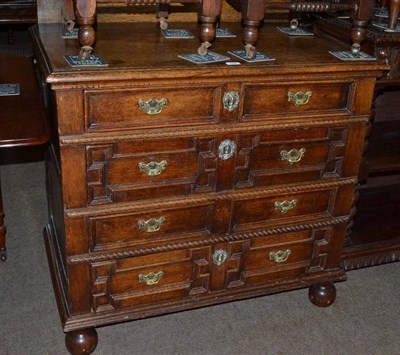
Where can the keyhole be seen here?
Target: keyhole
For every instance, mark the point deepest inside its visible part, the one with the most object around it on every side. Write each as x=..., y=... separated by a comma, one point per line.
x=230, y=102
x=220, y=256
x=226, y=149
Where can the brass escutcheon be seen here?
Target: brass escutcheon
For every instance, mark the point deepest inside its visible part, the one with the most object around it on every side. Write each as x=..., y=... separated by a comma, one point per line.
x=231, y=100
x=220, y=256
x=293, y=155
x=299, y=98
x=152, y=225
x=285, y=206
x=226, y=149
x=153, y=106
x=151, y=278
x=279, y=256
x=153, y=168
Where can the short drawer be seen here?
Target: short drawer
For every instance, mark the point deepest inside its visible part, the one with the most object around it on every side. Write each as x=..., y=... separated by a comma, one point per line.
x=136, y=109
x=158, y=226
x=272, y=100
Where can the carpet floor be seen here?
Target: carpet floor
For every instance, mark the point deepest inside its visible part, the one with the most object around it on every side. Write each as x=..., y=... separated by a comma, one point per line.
x=364, y=320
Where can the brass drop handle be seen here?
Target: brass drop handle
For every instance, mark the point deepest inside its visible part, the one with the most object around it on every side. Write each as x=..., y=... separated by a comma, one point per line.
x=153, y=168
x=231, y=100
x=299, y=98
x=293, y=155
x=153, y=106
x=285, y=206
x=279, y=256
x=152, y=225
x=151, y=278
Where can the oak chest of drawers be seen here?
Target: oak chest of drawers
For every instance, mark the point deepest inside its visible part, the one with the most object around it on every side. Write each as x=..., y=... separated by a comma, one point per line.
x=173, y=186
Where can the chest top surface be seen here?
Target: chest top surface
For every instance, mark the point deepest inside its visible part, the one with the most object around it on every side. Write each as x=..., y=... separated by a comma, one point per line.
x=138, y=51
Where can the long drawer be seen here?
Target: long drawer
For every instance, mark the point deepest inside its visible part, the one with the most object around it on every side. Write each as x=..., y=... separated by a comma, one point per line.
x=160, y=168
x=186, y=220
x=187, y=275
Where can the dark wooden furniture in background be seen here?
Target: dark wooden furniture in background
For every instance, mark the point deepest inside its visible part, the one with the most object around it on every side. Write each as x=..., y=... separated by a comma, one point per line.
x=23, y=118
x=14, y=13
x=85, y=12
x=375, y=235
x=254, y=12
x=393, y=7
x=173, y=186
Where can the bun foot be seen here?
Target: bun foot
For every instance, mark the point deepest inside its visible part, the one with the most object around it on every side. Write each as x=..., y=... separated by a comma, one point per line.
x=3, y=255
x=323, y=294
x=81, y=342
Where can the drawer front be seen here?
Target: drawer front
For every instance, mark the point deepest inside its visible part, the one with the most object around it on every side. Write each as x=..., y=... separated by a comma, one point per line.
x=157, y=168
x=143, y=280
x=283, y=209
x=284, y=256
x=137, y=109
x=277, y=100
x=159, y=226
x=189, y=275
x=146, y=169
x=279, y=157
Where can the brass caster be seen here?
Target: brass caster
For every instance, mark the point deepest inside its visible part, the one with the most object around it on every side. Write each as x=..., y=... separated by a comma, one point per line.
x=250, y=51
x=163, y=23
x=85, y=52
x=203, y=49
x=69, y=25
x=294, y=24
x=355, y=48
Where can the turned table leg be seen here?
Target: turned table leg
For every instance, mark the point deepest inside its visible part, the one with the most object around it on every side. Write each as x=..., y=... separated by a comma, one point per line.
x=394, y=9
x=253, y=14
x=3, y=253
x=69, y=15
x=360, y=19
x=322, y=294
x=209, y=12
x=162, y=12
x=81, y=341
x=85, y=11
